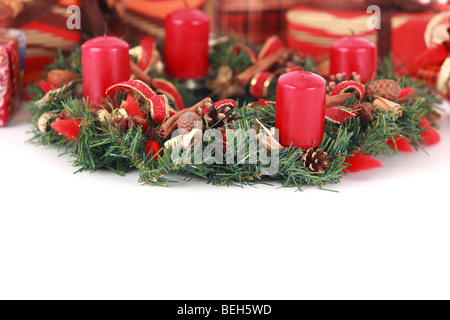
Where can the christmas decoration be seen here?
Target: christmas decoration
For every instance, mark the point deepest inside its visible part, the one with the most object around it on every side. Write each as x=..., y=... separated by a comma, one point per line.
x=171, y=124
x=125, y=123
x=58, y=78
x=11, y=45
x=365, y=111
x=387, y=105
x=186, y=44
x=136, y=86
x=251, y=21
x=300, y=113
x=68, y=128
x=354, y=54
x=14, y=7
x=6, y=92
x=135, y=125
x=361, y=162
x=259, y=72
x=388, y=89
x=220, y=113
x=313, y=27
x=339, y=78
x=338, y=114
x=429, y=135
x=157, y=105
x=338, y=99
x=188, y=121
x=401, y=144
x=432, y=64
x=98, y=56
x=357, y=89
x=44, y=121
x=315, y=160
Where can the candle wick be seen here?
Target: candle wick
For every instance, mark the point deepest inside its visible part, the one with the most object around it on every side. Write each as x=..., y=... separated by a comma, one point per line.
x=352, y=32
x=304, y=68
x=106, y=29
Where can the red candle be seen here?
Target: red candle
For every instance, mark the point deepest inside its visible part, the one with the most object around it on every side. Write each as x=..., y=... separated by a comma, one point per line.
x=354, y=54
x=105, y=62
x=186, y=44
x=300, y=112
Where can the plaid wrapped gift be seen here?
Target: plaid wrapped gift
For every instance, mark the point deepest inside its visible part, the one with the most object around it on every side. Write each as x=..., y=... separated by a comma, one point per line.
x=429, y=75
x=252, y=20
x=313, y=30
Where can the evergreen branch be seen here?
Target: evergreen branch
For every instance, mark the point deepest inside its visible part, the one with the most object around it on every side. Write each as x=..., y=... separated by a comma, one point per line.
x=102, y=145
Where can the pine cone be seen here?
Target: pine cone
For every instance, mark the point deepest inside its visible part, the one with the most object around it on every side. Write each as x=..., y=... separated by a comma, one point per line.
x=315, y=160
x=187, y=122
x=127, y=122
x=217, y=116
x=388, y=89
x=340, y=77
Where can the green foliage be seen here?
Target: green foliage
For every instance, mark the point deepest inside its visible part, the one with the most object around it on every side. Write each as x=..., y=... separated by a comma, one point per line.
x=70, y=63
x=102, y=145
x=223, y=54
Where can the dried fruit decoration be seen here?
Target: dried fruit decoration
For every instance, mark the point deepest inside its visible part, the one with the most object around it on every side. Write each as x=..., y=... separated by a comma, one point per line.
x=365, y=111
x=338, y=85
x=219, y=113
x=189, y=121
x=126, y=123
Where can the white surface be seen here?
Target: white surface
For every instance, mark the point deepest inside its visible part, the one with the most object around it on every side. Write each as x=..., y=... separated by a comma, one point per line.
x=100, y=236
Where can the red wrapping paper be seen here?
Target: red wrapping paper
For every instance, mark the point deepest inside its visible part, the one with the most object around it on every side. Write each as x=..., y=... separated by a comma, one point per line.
x=12, y=47
x=6, y=86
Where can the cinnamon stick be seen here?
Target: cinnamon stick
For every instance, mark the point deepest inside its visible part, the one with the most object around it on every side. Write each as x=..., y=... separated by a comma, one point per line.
x=337, y=100
x=171, y=124
x=265, y=64
x=140, y=75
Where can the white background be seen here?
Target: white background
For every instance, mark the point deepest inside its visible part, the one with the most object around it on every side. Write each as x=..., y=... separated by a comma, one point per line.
x=385, y=235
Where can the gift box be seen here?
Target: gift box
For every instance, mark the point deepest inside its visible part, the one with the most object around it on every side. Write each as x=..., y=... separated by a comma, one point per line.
x=6, y=86
x=12, y=43
x=17, y=51
x=251, y=20
x=313, y=30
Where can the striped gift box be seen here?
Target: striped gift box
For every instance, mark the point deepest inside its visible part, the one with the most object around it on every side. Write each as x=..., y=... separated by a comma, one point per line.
x=312, y=30
x=44, y=22
x=45, y=25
